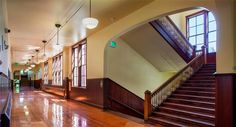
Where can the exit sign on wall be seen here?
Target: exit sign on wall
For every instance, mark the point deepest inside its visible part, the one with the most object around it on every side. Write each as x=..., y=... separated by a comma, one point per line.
x=113, y=44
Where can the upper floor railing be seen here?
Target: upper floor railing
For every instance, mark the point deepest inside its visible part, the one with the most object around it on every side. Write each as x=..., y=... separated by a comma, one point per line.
x=169, y=31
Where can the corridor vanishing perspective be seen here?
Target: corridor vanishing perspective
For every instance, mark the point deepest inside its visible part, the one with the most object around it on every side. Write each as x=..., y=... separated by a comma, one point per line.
x=117, y=63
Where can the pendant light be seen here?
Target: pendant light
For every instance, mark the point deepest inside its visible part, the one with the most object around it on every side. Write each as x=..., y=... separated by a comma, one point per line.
x=44, y=54
x=57, y=46
x=32, y=63
x=90, y=22
x=37, y=51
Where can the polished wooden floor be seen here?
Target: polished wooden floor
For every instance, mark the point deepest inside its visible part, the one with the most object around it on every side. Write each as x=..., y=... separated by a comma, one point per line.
x=39, y=109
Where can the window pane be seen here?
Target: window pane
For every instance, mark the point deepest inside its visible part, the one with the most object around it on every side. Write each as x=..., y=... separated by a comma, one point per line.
x=192, y=40
x=212, y=36
x=210, y=16
x=192, y=22
x=212, y=47
x=199, y=47
x=212, y=26
x=200, y=39
x=200, y=19
x=200, y=29
x=192, y=31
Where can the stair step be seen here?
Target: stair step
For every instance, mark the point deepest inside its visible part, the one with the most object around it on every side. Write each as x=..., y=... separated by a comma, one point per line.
x=202, y=78
x=197, y=88
x=183, y=113
x=197, y=93
x=185, y=120
x=166, y=123
x=204, y=74
x=200, y=81
x=192, y=97
x=209, y=85
x=192, y=102
x=189, y=108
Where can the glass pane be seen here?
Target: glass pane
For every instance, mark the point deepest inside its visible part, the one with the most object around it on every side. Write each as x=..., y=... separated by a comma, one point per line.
x=200, y=39
x=192, y=40
x=83, y=60
x=200, y=19
x=199, y=47
x=200, y=29
x=212, y=26
x=210, y=16
x=192, y=31
x=212, y=47
x=192, y=22
x=212, y=36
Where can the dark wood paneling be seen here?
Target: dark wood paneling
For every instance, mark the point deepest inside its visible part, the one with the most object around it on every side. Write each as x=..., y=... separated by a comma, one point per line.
x=225, y=100
x=119, y=99
x=92, y=94
x=211, y=58
x=37, y=84
x=53, y=89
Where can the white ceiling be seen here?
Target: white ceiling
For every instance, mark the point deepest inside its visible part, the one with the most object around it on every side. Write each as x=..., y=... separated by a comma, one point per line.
x=32, y=21
x=152, y=46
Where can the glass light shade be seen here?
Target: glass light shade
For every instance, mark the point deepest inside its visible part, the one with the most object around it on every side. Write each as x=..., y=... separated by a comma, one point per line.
x=90, y=23
x=57, y=47
x=32, y=65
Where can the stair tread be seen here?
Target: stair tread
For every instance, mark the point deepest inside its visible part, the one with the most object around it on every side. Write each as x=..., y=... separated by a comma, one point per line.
x=187, y=119
x=188, y=112
x=197, y=87
x=171, y=98
x=195, y=91
x=169, y=122
x=186, y=95
x=191, y=106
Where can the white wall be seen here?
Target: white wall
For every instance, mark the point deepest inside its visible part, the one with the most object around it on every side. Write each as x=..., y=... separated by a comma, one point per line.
x=4, y=54
x=129, y=69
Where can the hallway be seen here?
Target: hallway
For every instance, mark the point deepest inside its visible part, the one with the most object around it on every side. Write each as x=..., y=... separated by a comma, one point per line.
x=39, y=109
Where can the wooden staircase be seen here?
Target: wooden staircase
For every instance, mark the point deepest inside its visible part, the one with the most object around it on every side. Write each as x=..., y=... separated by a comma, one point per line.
x=192, y=104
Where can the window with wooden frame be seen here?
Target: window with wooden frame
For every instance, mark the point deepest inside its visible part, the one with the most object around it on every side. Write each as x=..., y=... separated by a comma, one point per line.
x=45, y=75
x=79, y=72
x=201, y=30
x=57, y=70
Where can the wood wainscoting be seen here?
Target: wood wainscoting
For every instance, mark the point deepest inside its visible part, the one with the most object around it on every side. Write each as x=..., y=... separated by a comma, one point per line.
x=225, y=100
x=120, y=99
x=92, y=94
x=53, y=89
x=211, y=57
x=37, y=83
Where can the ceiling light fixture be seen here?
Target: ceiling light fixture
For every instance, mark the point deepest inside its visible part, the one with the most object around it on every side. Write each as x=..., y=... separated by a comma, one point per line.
x=90, y=22
x=37, y=51
x=44, y=45
x=58, y=29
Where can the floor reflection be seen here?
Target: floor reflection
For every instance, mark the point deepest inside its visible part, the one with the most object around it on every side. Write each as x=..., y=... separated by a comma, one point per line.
x=45, y=108
x=39, y=109
x=57, y=115
x=78, y=121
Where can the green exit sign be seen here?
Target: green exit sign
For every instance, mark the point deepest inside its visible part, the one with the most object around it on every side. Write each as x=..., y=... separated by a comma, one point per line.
x=113, y=44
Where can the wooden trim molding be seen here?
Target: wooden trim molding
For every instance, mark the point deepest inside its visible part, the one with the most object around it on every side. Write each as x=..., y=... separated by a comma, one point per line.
x=225, y=100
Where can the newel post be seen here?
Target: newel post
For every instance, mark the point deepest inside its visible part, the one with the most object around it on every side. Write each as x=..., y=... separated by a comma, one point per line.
x=194, y=51
x=204, y=54
x=147, y=105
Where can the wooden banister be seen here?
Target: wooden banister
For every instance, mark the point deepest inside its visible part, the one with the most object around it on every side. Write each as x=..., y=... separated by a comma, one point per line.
x=154, y=99
x=179, y=32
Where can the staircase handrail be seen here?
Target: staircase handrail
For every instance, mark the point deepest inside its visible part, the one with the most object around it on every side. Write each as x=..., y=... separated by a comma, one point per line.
x=159, y=95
